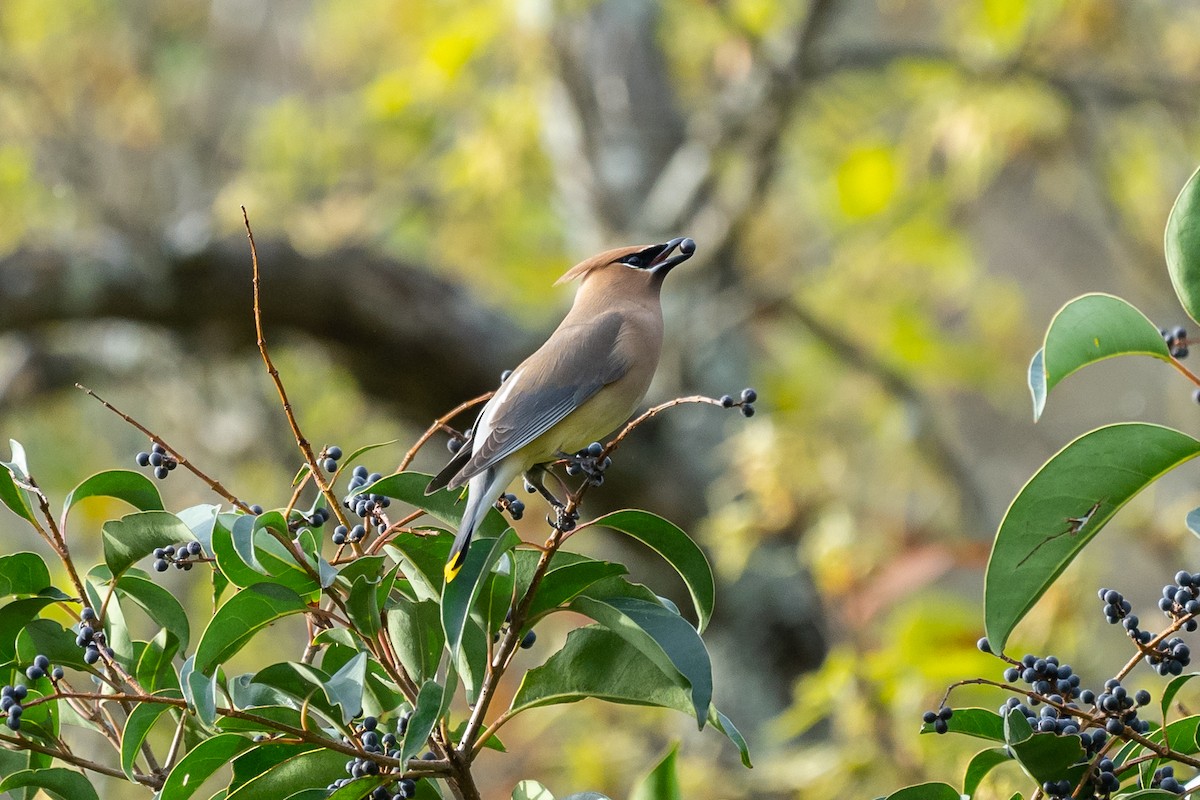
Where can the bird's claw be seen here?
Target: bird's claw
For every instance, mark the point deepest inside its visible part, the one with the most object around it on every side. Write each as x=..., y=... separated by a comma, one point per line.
x=590, y=462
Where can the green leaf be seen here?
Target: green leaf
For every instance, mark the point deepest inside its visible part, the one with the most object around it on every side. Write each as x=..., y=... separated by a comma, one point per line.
x=1043, y=756
x=433, y=703
x=423, y=559
x=597, y=663
x=563, y=583
x=1150, y=794
x=663, y=782
x=1173, y=689
x=23, y=573
x=299, y=681
x=981, y=764
x=471, y=661
x=138, y=726
x=363, y=605
x=926, y=791
x=10, y=494
x=1064, y=505
x=47, y=637
x=243, y=615
x=461, y=593
x=200, y=763
x=59, y=782
x=159, y=604
x=285, y=715
x=497, y=598
x=154, y=669
x=978, y=722
x=356, y=789
x=135, y=536
x=123, y=484
x=345, y=687
x=670, y=542
x=586, y=796
x=13, y=617
x=301, y=767
x=531, y=790
x=1181, y=245
x=443, y=504
x=661, y=635
x=416, y=634
x=199, y=690
x=1088, y=329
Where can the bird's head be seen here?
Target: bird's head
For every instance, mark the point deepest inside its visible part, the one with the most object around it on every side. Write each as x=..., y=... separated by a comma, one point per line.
x=640, y=263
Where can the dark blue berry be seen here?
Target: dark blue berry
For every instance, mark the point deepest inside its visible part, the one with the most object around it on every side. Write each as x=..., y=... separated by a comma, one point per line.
x=256, y=509
x=749, y=395
x=528, y=639
x=88, y=613
x=142, y=459
x=334, y=452
x=330, y=465
x=57, y=674
x=160, y=472
x=726, y=401
x=161, y=565
x=747, y=410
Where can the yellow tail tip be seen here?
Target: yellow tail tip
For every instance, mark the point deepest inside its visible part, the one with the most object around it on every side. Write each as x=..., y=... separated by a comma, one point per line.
x=453, y=566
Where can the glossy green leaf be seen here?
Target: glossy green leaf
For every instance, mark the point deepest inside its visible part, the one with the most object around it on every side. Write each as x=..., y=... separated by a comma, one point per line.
x=1181, y=245
x=301, y=767
x=285, y=715
x=199, y=763
x=137, y=728
x=670, y=542
x=661, y=635
x=416, y=633
x=663, y=781
x=300, y=682
x=443, y=504
x=433, y=702
x=199, y=690
x=586, y=796
x=461, y=593
x=1088, y=329
x=10, y=494
x=242, y=535
x=1150, y=794
x=357, y=789
x=135, y=536
x=423, y=559
x=363, y=605
x=497, y=596
x=1064, y=505
x=47, y=637
x=58, y=782
x=531, y=790
x=123, y=484
x=561, y=584
x=13, y=617
x=981, y=764
x=1172, y=690
x=926, y=791
x=345, y=687
x=23, y=573
x=1043, y=756
x=154, y=670
x=597, y=663
x=978, y=722
x=240, y=618
x=158, y=603
x=472, y=659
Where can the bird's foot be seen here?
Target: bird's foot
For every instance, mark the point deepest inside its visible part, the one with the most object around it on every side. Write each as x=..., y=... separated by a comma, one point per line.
x=591, y=462
x=562, y=520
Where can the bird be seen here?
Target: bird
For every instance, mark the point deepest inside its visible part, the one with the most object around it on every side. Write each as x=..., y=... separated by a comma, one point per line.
x=588, y=378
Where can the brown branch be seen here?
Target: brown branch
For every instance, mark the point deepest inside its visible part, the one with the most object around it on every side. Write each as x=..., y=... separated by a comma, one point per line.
x=439, y=424
x=212, y=483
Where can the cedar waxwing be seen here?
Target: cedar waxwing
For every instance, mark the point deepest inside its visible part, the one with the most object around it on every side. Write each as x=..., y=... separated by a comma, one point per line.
x=587, y=379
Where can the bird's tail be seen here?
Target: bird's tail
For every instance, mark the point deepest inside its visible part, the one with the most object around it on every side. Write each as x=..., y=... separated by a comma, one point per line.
x=482, y=492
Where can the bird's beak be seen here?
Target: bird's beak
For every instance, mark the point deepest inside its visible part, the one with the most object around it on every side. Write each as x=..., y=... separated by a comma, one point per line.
x=664, y=261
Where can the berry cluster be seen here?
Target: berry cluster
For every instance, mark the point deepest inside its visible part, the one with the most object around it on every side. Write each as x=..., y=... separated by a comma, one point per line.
x=91, y=638
x=318, y=517
x=1181, y=600
x=1176, y=339
x=40, y=668
x=331, y=456
x=368, y=506
x=940, y=719
x=369, y=738
x=10, y=704
x=514, y=506
x=1164, y=778
x=590, y=461
x=746, y=404
x=182, y=556
x=158, y=458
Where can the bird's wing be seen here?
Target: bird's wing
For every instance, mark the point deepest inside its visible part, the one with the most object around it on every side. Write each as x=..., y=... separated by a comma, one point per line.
x=577, y=362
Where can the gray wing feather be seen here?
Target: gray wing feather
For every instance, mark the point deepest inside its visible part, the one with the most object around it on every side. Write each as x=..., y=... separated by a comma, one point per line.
x=560, y=387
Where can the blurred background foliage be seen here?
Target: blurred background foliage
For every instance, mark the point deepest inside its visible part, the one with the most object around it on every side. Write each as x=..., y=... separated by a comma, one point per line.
x=890, y=197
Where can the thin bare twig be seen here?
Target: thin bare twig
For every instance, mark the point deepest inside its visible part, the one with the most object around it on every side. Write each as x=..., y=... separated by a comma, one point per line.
x=440, y=424
x=213, y=484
